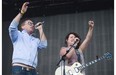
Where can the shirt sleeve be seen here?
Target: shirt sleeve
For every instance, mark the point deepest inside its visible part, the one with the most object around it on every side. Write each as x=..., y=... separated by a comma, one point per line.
x=13, y=31
x=42, y=44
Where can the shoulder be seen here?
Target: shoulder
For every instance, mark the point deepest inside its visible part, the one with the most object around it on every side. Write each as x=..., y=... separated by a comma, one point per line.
x=63, y=49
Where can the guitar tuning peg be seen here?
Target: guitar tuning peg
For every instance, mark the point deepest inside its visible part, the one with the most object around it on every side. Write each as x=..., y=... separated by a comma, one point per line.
x=108, y=56
x=96, y=56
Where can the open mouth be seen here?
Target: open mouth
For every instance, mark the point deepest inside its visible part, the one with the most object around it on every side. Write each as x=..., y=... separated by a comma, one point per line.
x=72, y=41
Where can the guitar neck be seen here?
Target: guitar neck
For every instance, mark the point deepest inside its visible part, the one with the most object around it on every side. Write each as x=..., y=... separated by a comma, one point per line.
x=90, y=63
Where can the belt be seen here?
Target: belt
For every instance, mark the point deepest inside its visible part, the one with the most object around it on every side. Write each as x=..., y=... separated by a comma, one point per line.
x=24, y=67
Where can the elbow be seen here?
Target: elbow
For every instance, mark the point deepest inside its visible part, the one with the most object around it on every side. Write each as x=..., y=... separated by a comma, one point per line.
x=11, y=28
x=13, y=25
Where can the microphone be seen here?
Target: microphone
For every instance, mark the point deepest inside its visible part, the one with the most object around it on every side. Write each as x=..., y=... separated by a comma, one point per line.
x=77, y=40
x=38, y=24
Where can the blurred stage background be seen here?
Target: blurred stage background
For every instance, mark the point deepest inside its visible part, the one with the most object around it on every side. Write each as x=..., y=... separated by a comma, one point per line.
x=62, y=17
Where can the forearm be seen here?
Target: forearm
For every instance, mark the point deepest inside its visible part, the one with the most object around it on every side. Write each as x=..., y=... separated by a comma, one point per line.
x=18, y=17
x=87, y=39
x=63, y=51
x=89, y=34
x=71, y=52
x=90, y=31
x=42, y=35
x=22, y=12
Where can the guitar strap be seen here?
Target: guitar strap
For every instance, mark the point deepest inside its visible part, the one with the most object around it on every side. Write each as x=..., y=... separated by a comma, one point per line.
x=80, y=58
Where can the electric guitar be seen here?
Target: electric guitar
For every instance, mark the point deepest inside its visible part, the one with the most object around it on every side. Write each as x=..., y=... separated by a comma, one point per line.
x=77, y=68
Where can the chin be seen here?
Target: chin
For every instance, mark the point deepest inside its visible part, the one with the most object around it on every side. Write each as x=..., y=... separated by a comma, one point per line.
x=31, y=31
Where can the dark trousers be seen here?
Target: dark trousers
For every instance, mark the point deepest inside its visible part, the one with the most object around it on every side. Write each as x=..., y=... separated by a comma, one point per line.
x=18, y=70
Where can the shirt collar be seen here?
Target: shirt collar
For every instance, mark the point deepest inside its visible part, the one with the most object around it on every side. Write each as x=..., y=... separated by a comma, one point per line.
x=24, y=31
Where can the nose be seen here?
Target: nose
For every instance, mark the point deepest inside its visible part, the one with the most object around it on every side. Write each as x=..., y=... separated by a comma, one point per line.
x=33, y=26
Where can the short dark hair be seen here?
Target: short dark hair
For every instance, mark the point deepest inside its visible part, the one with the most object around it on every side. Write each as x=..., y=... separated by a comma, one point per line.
x=76, y=35
x=24, y=20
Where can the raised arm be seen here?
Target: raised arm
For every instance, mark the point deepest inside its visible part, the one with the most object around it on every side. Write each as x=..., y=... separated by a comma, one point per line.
x=21, y=13
x=41, y=32
x=88, y=36
x=42, y=36
x=13, y=30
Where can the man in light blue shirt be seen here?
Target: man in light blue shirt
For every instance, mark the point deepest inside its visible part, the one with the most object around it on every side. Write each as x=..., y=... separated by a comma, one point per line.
x=25, y=46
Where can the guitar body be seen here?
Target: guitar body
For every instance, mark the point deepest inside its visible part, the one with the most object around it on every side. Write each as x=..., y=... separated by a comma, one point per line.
x=69, y=70
x=76, y=68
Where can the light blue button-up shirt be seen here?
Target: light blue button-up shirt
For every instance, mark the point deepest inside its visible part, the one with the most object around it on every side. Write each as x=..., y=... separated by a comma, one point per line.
x=25, y=46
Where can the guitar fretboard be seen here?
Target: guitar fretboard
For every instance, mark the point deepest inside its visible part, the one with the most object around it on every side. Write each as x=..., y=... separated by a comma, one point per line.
x=90, y=63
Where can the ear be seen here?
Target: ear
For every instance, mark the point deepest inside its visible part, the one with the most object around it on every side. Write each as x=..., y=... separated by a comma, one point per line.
x=66, y=40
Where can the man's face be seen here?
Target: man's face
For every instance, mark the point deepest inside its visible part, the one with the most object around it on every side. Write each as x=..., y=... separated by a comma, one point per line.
x=28, y=26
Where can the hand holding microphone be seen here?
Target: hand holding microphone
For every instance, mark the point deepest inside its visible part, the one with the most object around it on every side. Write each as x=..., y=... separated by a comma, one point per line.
x=76, y=42
x=38, y=24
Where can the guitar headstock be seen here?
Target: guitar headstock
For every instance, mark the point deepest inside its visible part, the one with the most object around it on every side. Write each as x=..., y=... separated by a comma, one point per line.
x=108, y=55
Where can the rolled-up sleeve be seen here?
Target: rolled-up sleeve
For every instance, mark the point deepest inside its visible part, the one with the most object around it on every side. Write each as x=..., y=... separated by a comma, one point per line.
x=42, y=44
x=13, y=30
